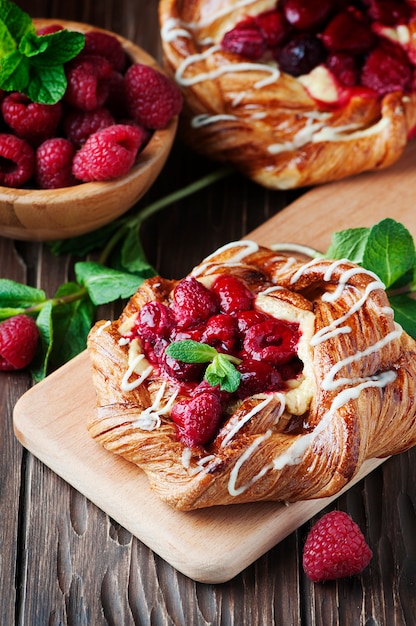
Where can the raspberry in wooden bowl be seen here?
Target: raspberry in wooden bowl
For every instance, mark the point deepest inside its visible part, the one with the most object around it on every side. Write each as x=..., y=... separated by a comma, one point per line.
x=294, y=92
x=87, y=159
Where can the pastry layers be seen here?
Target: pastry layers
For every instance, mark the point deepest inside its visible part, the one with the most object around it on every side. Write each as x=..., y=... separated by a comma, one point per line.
x=272, y=126
x=353, y=401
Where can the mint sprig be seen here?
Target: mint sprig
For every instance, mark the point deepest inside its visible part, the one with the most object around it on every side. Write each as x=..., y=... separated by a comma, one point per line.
x=388, y=250
x=32, y=64
x=221, y=369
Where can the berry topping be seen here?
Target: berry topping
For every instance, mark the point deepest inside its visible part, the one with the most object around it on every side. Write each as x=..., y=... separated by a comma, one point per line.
x=233, y=295
x=152, y=99
x=273, y=341
x=193, y=303
x=246, y=39
x=301, y=54
x=387, y=69
x=30, y=120
x=17, y=161
x=352, y=42
x=155, y=320
x=198, y=419
x=53, y=165
x=307, y=16
x=221, y=332
x=108, y=153
x=335, y=548
x=88, y=86
x=18, y=341
x=257, y=377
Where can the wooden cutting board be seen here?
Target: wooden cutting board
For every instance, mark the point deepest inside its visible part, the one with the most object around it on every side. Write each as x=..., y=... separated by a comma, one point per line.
x=211, y=545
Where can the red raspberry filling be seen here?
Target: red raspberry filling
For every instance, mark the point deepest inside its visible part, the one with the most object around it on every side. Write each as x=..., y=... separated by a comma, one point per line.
x=353, y=40
x=224, y=317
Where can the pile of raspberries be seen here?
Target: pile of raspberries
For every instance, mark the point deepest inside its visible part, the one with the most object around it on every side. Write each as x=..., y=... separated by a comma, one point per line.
x=109, y=111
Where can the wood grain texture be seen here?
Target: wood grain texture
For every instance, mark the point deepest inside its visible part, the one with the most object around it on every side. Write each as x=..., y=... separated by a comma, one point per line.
x=65, y=562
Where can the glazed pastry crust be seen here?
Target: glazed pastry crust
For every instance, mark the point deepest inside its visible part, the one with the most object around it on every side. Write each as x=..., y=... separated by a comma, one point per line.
x=355, y=401
x=268, y=126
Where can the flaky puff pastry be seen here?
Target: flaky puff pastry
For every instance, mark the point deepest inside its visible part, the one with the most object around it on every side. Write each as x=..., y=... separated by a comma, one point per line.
x=354, y=400
x=265, y=122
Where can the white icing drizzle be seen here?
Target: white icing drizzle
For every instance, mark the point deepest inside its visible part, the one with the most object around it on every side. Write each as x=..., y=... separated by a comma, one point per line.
x=124, y=341
x=150, y=418
x=247, y=417
x=205, y=119
x=103, y=327
x=243, y=249
x=200, y=77
x=129, y=386
x=232, y=490
x=174, y=28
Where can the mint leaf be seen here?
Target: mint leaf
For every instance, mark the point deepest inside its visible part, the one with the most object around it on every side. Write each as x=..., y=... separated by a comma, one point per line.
x=390, y=251
x=133, y=258
x=13, y=294
x=348, y=244
x=16, y=21
x=14, y=72
x=53, y=49
x=7, y=42
x=72, y=321
x=46, y=84
x=105, y=284
x=39, y=365
x=223, y=373
x=190, y=351
x=405, y=313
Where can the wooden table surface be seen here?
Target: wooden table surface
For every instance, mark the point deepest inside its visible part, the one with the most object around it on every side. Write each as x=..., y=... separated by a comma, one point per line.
x=64, y=561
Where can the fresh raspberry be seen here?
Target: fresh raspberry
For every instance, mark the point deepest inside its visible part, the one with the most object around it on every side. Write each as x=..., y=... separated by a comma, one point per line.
x=18, y=341
x=198, y=419
x=53, y=168
x=152, y=98
x=193, y=303
x=105, y=45
x=30, y=120
x=233, y=294
x=246, y=40
x=108, y=153
x=273, y=341
x=17, y=161
x=88, y=82
x=335, y=548
x=387, y=69
x=79, y=125
x=257, y=377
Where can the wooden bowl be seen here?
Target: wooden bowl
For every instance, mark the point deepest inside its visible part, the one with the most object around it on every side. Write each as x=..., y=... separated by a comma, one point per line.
x=48, y=214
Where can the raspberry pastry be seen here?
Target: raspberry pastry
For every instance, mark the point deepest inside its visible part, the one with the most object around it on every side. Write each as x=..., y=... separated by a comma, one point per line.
x=259, y=376
x=294, y=92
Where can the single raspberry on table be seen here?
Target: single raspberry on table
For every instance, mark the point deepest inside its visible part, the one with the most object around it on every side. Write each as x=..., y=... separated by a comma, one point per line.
x=17, y=161
x=105, y=45
x=88, y=82
x=79, y=125
x=335, y=548
x=29, y=120
x=108, y=153
x=152, y=98
x=53, y=166
x=18, y=342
